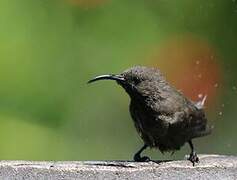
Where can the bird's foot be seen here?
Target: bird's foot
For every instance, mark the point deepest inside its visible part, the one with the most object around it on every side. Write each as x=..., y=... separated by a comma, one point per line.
x=193, y=158
x=138, y=158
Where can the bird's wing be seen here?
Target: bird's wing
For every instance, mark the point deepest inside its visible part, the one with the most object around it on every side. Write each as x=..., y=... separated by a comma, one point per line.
x=161, y=97
x=189, y=123
x=171, y=107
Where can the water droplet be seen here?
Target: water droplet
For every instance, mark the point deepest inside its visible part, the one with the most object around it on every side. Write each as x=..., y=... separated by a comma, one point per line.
x=220, y=113
x=200, y=96
x=234, y=88
x=197, y=62
x=216, y=85
x=223, y=105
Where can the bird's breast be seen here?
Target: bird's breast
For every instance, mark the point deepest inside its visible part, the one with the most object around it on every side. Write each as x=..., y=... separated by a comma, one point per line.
x=149, y=127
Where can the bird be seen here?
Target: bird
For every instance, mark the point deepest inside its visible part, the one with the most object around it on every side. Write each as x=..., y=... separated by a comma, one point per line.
x=164, y=118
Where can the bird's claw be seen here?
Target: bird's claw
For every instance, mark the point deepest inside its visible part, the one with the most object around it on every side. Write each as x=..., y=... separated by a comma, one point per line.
x=138, y=158
x=193, y=158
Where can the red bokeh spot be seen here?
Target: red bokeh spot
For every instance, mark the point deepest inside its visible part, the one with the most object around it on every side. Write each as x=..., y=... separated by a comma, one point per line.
x=191, y=65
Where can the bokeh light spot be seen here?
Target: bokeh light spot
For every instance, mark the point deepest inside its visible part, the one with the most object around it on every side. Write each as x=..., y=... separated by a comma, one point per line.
x=191, y=65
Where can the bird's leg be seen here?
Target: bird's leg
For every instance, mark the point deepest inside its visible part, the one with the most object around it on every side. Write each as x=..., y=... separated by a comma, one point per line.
x=193, y=155
x=137, y=157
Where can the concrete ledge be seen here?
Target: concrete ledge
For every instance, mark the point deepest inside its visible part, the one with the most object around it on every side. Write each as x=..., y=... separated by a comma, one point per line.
x=210, y=167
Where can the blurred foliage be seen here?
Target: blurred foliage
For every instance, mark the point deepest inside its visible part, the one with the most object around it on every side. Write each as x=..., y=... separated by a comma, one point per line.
x=49, y=49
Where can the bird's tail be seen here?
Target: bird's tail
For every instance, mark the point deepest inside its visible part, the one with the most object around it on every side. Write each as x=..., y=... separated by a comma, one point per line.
x=207, y=131
x=200, y=104
x=199, y=131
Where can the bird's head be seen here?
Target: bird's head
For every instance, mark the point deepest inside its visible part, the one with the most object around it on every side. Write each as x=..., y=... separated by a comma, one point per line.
x=131, y=78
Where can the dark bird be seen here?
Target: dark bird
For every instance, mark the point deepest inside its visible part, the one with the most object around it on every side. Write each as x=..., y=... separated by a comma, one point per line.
x=163, y=117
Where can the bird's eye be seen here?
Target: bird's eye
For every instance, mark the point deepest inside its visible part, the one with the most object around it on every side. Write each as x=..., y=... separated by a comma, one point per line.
x=136, y=80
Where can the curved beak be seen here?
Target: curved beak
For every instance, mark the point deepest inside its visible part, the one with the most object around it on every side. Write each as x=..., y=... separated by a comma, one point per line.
x=117, y=78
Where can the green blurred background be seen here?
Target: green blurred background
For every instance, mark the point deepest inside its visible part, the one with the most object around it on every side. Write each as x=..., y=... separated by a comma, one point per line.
x=50, y=48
